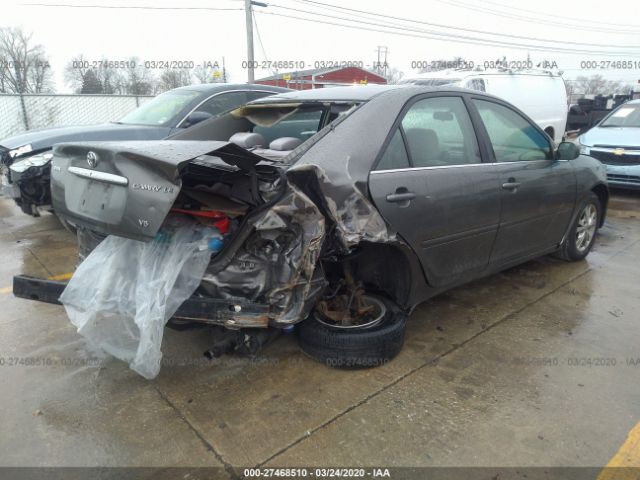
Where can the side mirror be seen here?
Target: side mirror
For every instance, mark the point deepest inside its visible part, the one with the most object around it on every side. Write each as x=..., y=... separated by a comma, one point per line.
x=567, y=151
x=196, y=117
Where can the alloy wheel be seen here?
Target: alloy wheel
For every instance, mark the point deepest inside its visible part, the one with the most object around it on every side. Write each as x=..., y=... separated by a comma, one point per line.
x=587, y=224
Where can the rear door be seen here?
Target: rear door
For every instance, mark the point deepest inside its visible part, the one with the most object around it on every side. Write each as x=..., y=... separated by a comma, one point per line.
x=538, y=192
x=432, y=187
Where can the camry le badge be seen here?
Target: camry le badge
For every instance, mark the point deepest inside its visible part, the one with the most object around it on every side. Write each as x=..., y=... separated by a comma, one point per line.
x=92, y=159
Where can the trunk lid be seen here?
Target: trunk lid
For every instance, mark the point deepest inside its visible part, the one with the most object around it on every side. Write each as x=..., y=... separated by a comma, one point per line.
x=128, y=188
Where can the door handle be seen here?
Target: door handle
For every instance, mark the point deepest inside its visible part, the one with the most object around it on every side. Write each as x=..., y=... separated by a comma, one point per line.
x=399, y=197
x=511, y=184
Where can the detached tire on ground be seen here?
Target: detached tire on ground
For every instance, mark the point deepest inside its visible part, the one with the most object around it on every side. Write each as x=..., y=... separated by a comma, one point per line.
x=582, y=233
x=354, y=348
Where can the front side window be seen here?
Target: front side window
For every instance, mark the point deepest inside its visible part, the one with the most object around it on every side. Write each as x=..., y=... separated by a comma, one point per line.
x=514, y=139
x=438, y=132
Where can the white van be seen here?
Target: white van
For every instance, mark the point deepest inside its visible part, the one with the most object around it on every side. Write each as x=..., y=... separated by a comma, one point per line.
x=539, y=94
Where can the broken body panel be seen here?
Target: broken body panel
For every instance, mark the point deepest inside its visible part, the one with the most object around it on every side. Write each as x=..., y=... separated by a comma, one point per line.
x=273, y=250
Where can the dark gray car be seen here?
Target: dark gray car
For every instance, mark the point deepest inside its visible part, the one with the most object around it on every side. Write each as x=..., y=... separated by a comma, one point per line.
x=24, y=158
x=347, y=207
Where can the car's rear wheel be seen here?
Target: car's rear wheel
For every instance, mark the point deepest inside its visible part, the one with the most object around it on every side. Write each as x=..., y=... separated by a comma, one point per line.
x=341, y=337
x=582, y=234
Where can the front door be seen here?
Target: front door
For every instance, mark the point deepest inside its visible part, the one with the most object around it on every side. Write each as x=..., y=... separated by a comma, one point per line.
x=538, y=192
x=431, y=186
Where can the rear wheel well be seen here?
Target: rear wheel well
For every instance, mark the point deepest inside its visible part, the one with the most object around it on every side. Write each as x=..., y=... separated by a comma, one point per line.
x=602, y=192
x=381, y=268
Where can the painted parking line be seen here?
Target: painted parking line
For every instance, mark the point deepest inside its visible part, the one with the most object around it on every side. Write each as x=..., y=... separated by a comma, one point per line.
x=625, y=464
x=61, y=277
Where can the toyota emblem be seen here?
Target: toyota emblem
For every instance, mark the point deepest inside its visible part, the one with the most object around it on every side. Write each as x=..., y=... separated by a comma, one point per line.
x=92, y=159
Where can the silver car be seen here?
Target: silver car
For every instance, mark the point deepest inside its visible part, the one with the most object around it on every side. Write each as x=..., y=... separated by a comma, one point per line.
x=615, y=141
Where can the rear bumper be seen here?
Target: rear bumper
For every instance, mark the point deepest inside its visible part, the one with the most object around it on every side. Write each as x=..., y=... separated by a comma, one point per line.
x=230, y=314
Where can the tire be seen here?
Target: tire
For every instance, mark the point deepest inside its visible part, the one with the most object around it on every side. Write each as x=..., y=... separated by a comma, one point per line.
x=576, y=247
x=354, y=348
x=70, y=228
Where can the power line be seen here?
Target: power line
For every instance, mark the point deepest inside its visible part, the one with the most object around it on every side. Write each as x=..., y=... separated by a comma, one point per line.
x=576, y=19
x=136, y=7
x=442, y=36
x=547, y=21
x=451, y=27
x=264, y=52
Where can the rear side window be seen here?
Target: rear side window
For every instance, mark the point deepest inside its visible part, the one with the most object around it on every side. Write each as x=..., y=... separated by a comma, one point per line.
x=254, y=95
x=395, y=156
x=301, y=124
x=514, y=139
x=439, y=132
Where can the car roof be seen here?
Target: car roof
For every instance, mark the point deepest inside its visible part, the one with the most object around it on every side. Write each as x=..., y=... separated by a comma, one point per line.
x=363, y=93
x=463, y=73
x=222, y=87
x=359, y=93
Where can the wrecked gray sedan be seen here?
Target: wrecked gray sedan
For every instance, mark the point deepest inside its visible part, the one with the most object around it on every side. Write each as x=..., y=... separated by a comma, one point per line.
x=339, y=209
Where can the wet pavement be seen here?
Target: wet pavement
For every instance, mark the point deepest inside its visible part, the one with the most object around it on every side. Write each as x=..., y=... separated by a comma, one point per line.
x=535, y=366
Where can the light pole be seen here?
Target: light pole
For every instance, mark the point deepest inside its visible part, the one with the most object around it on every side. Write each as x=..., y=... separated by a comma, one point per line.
x=248, y=13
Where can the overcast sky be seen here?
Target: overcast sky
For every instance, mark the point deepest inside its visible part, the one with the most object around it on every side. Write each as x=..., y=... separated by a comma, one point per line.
x=196, y=34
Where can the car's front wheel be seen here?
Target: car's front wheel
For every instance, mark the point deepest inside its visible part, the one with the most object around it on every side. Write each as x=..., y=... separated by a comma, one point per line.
x=582, y=234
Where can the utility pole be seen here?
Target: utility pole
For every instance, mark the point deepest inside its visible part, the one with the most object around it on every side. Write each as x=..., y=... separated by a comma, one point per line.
x=381, y=65
x=248, y=13
x=249, y=21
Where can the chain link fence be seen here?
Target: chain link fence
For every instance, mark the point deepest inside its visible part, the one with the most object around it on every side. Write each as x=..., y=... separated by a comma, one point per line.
x=19, y=113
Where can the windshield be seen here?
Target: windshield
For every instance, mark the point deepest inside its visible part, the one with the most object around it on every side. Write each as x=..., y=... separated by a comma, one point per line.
x=625, y=116
x=162, y=109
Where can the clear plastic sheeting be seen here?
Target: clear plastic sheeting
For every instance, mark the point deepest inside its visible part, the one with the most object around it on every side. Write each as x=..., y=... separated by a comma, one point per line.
x=124, y=292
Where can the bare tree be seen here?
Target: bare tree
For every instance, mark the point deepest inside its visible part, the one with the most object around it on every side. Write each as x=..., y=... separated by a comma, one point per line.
x=24, y=67
x=174, y=78
x=208, y=74
x=79, y=72
x=75, y=71
x=590, y=85
x=597, y=84
x=139, y=80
